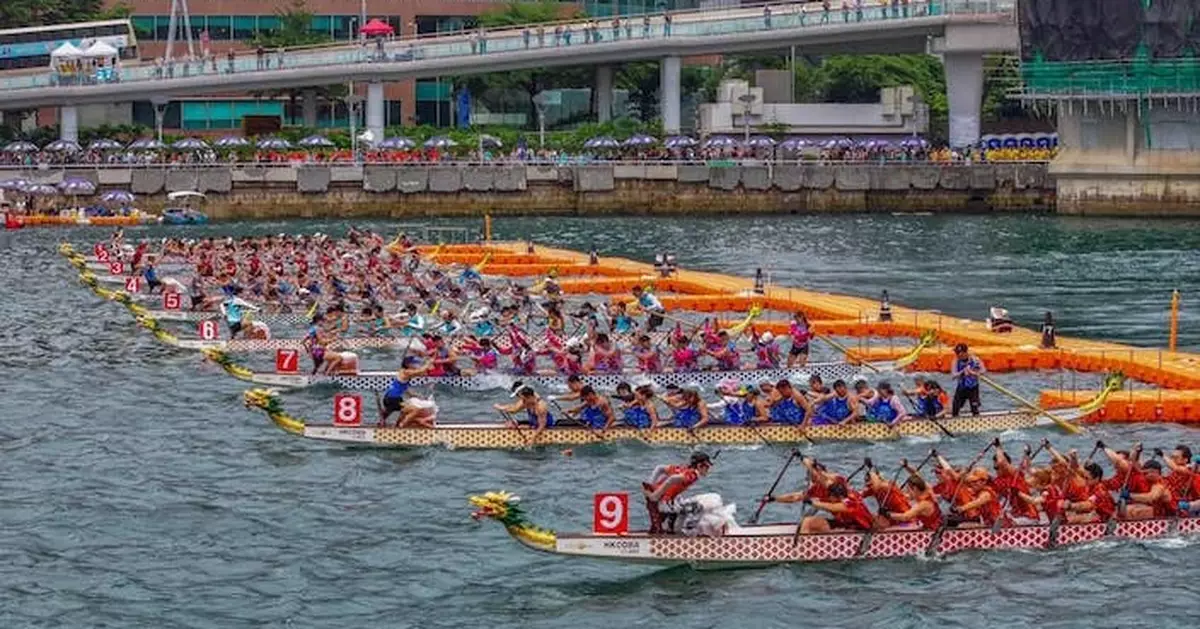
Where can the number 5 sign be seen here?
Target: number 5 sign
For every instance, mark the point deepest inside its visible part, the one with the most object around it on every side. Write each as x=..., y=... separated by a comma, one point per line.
x=347, y=409
x=610, y=514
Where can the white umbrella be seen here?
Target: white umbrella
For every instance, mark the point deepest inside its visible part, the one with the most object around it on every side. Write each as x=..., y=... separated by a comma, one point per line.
x=101, y=50
x=66, y=51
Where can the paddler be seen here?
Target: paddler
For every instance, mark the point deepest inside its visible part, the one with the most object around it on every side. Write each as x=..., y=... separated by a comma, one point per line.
x=651, y=306
x=787, y=404
x=648, y=359
x=801, y=335
x=975, y=502
x=1097, y=505
x=885, y=407
x=641, y=412
x=924, y=511
x=233, y=308
x=726, y=353
x=256, y=330
x=836, y=407
x=688, y=410
x=393, y=397
x=1013, y=490
x=890, y=499
x=683, y=358
x=1156, y=502
x=745, y=407
x=665, y=485
x=1183, y=481
x=594, y=410
x=966, y=370
x=150, y=275
x=766, y=352
x=536, y=409
x=847, y=510
x=605, y=357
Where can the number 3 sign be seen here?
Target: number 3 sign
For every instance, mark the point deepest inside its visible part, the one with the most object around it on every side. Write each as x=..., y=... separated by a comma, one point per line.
x=347, y=409
x=610, y=514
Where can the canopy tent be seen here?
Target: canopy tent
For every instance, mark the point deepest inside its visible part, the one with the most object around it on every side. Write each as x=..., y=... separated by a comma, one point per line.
x=377, y=28
x=66, y=51
x=100, y=50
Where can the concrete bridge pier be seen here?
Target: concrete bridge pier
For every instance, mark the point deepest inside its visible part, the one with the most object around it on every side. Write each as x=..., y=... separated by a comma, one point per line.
x=604, y=93
x=964, y=93
x=68, y=123
x=375, y=109
x=668, y=90
x=308, y=108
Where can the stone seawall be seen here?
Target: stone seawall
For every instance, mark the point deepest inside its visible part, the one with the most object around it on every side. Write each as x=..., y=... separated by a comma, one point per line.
x=397, y=191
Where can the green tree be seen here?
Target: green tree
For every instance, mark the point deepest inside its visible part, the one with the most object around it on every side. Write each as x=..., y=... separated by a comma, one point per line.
x=295, y=29
x=640, y=79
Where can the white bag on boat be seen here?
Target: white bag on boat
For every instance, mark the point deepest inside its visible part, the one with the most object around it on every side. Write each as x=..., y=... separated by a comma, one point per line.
x=706, y=515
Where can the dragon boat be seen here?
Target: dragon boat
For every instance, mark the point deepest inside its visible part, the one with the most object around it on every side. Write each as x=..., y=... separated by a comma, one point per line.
x=379, y=380
x=500, y=436
x=770, y=544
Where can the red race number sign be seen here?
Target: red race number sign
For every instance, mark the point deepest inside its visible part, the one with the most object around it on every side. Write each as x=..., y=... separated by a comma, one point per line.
x=133, y=284
x=207, y=330
x=610, y=514
x=101, y=252
x=347, y=409
x=116, y=268
x=172, y=301
x=287, y=361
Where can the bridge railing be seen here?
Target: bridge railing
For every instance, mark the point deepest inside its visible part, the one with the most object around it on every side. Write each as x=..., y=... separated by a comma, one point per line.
x=561, y=35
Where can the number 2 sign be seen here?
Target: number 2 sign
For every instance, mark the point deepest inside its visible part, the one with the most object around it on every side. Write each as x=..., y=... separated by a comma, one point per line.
x=287, y=361
x=610, y=514
x=347, y=409
x=101, y=253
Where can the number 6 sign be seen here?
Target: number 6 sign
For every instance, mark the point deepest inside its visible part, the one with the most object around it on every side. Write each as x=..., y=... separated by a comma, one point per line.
x=347, y=409
x=610, y=514
x=208, y=330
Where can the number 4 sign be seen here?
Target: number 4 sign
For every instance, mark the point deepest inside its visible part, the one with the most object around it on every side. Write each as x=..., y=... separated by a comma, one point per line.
x=347, y=409
x=610, y=514
x=132, y=284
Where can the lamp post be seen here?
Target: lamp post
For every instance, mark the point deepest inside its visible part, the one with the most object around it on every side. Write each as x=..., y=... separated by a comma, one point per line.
x=539, y=101
x=352, y=101
x=746, y=99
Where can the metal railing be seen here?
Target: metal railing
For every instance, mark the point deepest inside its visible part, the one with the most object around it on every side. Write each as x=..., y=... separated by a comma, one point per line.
x=570, y=34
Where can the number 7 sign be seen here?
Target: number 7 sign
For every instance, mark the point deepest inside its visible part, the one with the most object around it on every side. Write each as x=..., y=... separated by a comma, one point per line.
x=610, y=514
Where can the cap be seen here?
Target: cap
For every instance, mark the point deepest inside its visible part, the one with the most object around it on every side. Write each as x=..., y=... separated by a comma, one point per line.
x=961, y=347
x=410, y=361
x=767, y=337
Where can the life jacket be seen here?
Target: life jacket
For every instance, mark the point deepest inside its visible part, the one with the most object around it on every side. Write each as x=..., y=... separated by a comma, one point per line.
x=730, y=360
x=533, y=420
x=1010, y=486
x=833, y=411
x=637, y=416
x=965, y=380
x=396, y=389
x=932, y=521
x=649, y=361
x=739, y=413
x=690, y=476
x=767, y=356
x=1106, y=507
x=593, y=417
x=487, y=359
x=684, y=359
x=891, y=499
x=787, y=411
x=800, y=334
x=987, y=513
x=686, y=417
x=857, y=516
x=882, y=410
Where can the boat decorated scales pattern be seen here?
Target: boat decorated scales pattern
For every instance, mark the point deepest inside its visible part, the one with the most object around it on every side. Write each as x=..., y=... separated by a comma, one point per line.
x=778, y=543
x=501, y=436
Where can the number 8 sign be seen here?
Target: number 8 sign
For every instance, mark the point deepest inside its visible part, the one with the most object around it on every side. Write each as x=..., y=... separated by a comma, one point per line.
x=347, y=409
x=610, y=514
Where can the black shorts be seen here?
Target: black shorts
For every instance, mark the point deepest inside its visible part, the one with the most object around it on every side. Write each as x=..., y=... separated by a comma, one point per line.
x=798, y=350
x=653, y=321
x=393, y=404
x=234, y=328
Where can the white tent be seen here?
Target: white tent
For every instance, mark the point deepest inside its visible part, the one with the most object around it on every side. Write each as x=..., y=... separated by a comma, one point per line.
x=67, y=51
x=100, y=50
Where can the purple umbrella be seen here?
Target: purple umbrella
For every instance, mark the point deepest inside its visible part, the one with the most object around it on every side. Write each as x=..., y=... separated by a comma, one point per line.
x=190, y=144
x=914, y=142
x=105, y=144
x=641, y=139
x=117, y=197
x=272, y=143
x=63, y=146
x=146, y=144
x=440, y=141
x=397, y=143
x=601, y=142
x=316, y=141
x=720, y=141
x=679, y=141
x=16, y=183
x=40, y=190
x=793, y=144
x=20, y=147
x=76, y=186
x=231, y=141
x=760, y=141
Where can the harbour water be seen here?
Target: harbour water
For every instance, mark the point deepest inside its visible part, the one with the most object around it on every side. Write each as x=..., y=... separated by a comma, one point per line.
x=137, y=492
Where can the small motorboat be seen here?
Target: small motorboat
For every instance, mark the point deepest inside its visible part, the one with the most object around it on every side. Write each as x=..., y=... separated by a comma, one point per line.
x=186, y=214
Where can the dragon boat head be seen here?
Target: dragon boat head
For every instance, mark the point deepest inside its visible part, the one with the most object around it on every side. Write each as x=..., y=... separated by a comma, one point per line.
x=497, y=505
x=265, y=399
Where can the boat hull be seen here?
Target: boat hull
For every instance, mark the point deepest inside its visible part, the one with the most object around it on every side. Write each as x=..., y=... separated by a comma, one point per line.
x=776, y=544
x=497, y=436
x=379, y=380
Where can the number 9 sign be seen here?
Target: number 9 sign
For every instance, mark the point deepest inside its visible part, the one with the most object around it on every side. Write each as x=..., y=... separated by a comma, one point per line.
x=347, y=409
x=610, y=514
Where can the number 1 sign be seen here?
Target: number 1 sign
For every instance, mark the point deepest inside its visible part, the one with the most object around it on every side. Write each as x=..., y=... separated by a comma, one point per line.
x=610, y=514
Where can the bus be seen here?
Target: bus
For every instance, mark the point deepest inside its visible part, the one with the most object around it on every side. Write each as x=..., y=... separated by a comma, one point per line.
x=30, y=47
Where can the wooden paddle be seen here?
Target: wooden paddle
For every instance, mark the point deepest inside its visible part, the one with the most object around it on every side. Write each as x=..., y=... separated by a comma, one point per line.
x=1065, y=425
x=762, y=503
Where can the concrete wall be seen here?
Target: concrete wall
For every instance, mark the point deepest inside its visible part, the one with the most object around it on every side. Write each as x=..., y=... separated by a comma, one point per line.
x=379, y=190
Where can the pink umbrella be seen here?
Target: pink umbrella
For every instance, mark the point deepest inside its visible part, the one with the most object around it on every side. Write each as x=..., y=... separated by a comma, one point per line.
x=376, y=28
